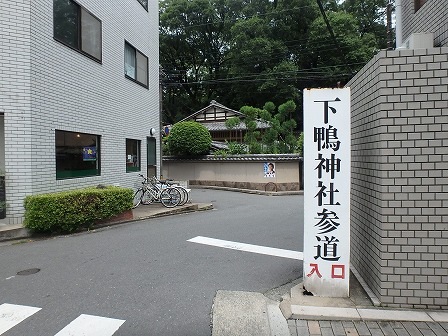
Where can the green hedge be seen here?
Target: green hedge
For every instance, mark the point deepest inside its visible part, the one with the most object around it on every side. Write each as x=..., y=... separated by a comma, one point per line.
x=68, y=211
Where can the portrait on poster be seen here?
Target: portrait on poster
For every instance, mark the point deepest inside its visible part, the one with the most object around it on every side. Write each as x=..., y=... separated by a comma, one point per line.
x=269, y=169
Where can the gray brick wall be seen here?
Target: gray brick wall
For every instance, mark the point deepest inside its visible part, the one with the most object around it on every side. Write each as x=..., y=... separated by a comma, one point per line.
x=400, y=177
x=47, y=86
x=431, y=17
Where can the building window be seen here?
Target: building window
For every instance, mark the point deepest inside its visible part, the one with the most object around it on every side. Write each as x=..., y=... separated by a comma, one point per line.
x=419, y=4
x=77, y=154
x=144, y=3
x=75, y=27
x=135, y=65
x=132, y=155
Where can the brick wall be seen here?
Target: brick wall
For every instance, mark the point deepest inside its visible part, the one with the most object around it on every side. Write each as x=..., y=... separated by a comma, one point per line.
x=431, y=17
x=55, y=87
x=400, y=177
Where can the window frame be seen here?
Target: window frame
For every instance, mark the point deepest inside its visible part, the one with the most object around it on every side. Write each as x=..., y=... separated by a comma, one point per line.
x=77, y=173
x=418, y=4
x=138, y=167
x=136, y=51
x=79, y=47
x=143, y=5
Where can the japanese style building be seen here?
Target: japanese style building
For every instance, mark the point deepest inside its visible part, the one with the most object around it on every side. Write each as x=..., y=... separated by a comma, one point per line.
x=399, y=206
x=214, y=118
x=79, y=95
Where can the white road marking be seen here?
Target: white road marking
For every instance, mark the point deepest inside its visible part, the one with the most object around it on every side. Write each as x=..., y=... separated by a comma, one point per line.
x=11, y=277
x=248, y=247
x=89, y=325
x=11, y=315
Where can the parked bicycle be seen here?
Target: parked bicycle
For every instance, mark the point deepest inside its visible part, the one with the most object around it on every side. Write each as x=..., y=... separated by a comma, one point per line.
x=149, y=192
x=184, y=192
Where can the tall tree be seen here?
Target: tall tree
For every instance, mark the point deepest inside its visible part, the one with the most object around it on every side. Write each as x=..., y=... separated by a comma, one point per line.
x=194, y=41
x=370, y=16
x=245, y=52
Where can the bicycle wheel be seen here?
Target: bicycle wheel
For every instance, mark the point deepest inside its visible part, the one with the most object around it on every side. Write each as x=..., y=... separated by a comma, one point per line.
x=184, y=195
x=170, y=197
x=137, y=198
x=148, y=197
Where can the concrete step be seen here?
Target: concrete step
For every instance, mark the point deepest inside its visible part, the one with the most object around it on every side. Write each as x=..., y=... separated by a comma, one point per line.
x=13, y=231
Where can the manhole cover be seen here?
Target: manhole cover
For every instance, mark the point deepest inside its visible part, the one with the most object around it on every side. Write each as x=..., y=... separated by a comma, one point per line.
x=29, y=271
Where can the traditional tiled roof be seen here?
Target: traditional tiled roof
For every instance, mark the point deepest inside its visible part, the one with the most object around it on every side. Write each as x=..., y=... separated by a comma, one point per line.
x=221, y=126
x=243, y=157
x=219, y=114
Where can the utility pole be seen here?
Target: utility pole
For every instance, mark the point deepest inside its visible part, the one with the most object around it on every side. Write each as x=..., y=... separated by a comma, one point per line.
x=390, y=42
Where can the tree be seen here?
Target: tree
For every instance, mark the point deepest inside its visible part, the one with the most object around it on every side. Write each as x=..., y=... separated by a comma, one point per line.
x=252, y=134
x=244, y=52
x=189, y=138
x=338, y=59
x=194, y=41
x=370, y=16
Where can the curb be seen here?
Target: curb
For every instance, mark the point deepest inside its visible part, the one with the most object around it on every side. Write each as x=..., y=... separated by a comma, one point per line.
x=250, y=191
x=11, y=232
x=364, y=314
x=17, y=231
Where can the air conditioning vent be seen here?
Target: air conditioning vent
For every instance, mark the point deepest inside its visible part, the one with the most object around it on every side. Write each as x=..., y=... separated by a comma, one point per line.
x=418, y=41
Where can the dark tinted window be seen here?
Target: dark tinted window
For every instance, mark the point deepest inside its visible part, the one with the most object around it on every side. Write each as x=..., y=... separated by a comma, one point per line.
x=77, y=154
x=74, y=26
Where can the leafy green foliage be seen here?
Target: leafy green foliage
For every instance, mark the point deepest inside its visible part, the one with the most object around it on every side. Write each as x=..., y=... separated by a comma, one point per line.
x=189, y=138
x=70, y=210
x=252, y=134
x=236, y=148
x=220, y=153
x=232, y=122
x=278, y=138
x=300, y=144
x=243, y=52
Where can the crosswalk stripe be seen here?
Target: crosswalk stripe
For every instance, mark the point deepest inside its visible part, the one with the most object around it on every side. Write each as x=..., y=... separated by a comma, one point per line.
x=89, y=325
x=272, y=251
x=11, y=315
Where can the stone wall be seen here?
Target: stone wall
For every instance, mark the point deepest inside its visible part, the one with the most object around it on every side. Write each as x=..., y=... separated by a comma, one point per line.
x=239, y=171
x=399, y=214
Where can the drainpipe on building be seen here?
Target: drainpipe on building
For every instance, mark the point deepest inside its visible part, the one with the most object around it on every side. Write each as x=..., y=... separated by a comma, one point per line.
x=161, y=75
x=398, y=24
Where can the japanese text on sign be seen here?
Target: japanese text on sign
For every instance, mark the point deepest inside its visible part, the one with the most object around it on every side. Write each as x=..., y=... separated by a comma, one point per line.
x=327, y=191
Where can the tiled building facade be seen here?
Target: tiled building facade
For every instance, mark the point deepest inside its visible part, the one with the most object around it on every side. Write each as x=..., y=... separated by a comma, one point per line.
x=78, y=94
x=400, y=167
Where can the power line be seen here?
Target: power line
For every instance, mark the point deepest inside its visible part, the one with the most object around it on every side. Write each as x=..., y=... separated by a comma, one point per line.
x=304, y=74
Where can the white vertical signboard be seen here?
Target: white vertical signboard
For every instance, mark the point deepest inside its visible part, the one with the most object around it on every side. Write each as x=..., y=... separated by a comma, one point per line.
x=326, y=252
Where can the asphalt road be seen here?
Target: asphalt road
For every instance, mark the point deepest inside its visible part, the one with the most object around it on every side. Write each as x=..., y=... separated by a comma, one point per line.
x=147, y=273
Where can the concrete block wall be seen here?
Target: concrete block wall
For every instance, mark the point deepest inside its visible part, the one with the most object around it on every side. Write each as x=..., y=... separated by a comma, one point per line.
x=431, y=17
x=400, y=177
x=62, y=89
x=15, y=98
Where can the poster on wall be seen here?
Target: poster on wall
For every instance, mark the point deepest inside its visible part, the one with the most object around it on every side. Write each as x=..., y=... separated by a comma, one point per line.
x=269, y=169
x=89, y=154
x=326, y=249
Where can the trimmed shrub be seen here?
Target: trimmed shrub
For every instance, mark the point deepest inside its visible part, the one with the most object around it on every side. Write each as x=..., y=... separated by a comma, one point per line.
x=189, y=138
x=69, y=210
